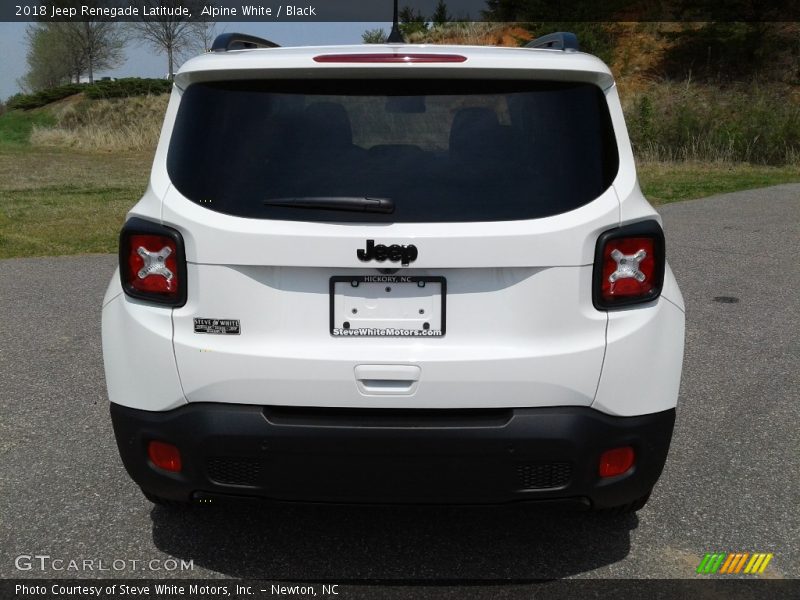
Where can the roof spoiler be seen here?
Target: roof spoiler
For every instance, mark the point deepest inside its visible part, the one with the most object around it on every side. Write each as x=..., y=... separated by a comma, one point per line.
x=240, y=41
x=561, y=40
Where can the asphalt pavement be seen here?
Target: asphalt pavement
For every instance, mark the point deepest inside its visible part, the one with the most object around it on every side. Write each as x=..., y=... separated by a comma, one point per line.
x=731, y=483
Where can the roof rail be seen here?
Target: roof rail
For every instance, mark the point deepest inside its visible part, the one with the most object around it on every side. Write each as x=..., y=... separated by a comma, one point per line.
x=240, y=41
x=561, y=40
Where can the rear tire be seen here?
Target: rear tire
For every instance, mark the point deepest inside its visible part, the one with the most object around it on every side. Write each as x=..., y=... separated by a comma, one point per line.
x=626, y=509
x=170, y=504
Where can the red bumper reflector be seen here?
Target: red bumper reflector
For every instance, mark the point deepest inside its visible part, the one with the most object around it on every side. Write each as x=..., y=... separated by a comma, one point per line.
x=390, y=58
x=164, y=456
x=616, y=461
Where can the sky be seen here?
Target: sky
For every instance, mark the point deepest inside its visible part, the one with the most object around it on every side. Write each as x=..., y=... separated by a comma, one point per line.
x=143, y=61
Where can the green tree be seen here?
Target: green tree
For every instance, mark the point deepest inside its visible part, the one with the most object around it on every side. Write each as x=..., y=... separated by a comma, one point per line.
x=89, y=45
x=723, y=52
x=440, y=15
x=507, y=10
x=411, y=22
x=50, y=62
x=62, y=52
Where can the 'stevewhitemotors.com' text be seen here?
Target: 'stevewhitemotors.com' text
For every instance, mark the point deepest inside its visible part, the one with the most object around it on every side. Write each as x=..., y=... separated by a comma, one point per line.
x=385, y=332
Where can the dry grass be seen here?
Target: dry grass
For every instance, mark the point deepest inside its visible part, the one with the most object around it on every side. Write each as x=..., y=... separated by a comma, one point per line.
x=129, y=124
x=472, y=34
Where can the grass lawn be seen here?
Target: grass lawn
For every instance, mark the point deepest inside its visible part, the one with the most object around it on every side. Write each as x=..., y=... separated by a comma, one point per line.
x=16, y=126
x=55, y=202
x=669, y=182
x=58, y=201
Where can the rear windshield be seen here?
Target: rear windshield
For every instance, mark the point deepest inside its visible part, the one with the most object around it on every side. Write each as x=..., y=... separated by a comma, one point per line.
x=429, y=150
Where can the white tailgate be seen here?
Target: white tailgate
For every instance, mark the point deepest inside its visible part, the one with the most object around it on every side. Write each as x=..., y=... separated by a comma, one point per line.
x=520, y=326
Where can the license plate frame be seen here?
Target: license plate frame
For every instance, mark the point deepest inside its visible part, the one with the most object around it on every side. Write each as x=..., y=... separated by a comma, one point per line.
x=389, y=280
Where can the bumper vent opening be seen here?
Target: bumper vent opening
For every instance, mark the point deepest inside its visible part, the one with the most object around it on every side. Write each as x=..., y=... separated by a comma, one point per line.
x=234, y=471
x=544, y=475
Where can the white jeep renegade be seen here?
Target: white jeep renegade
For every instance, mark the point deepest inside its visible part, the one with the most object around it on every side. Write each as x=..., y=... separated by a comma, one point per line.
x=394, y=274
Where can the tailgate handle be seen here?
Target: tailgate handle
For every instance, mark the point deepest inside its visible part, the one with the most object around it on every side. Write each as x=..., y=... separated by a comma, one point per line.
x=387, y=380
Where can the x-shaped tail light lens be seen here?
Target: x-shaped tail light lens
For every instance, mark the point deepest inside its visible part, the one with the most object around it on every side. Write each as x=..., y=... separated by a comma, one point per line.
x=152, y=262
x=155, y=263
x=152, y=265
x=629, y=265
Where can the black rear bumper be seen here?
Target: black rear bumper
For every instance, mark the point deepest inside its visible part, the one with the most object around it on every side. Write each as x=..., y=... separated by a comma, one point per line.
x=393, y=456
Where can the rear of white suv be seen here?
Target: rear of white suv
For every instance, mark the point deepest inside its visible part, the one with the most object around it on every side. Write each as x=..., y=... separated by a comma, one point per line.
x=414, y=274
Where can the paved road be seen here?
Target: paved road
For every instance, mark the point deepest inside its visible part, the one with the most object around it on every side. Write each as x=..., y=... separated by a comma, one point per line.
x=732, y=481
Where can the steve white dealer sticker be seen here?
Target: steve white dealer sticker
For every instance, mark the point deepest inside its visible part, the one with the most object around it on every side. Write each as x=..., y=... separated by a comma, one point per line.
x=217, y=326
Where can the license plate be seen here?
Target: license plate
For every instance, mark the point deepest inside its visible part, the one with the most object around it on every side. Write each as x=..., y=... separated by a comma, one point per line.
x=387, y=306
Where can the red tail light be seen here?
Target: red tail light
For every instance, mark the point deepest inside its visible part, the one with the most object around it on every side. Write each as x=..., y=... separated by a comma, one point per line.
x=629, y=265
x=164, y=456
x=403, y=57
x=152, y=263
x=616, y=461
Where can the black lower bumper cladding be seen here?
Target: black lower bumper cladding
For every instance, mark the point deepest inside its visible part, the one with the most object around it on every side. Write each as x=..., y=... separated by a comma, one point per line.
x=491, y=456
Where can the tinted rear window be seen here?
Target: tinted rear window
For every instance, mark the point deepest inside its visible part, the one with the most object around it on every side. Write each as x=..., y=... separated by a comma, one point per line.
x=440, y=150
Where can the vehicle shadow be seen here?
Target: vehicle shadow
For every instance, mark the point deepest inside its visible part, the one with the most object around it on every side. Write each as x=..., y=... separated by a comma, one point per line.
x=398, y=544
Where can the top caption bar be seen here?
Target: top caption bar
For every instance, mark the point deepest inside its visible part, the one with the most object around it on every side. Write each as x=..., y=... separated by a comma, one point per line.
x=381, y=10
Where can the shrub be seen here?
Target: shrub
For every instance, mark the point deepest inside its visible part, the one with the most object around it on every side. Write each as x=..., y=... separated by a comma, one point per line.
x=740, y=123
x=130, y=86
x=43, y=97
x=121, y=88
x=374, y=36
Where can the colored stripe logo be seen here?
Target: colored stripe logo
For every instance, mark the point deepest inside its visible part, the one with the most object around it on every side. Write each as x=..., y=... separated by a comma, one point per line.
x=734, y=562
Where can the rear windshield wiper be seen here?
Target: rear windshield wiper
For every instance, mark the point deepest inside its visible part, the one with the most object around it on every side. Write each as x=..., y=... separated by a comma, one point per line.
x=351, y=203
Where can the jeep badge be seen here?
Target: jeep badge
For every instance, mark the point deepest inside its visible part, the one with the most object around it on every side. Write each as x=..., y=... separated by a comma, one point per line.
x=395, y=252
